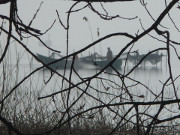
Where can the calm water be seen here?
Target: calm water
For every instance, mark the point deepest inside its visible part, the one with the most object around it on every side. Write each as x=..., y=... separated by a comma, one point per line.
x=152, y=76
x=106, y=87
x=47, y=83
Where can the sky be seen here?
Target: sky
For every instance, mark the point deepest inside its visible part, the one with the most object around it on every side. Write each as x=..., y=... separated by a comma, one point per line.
x=81, y=31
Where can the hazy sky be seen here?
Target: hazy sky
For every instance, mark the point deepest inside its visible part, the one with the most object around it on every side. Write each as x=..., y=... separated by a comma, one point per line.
x=80, y=33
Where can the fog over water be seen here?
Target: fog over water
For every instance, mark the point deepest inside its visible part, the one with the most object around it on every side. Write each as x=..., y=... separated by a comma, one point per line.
x=82, y=33
x=151, y=75
x=147, y=83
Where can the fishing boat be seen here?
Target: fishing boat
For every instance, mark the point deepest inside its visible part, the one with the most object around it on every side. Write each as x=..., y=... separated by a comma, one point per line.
x=62, y=64
x=153, y=58
x=101, y=61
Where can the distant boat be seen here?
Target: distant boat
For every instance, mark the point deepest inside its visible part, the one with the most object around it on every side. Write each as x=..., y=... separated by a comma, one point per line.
x=100, y=61
x=95, y=60
x=58, y=65
x=153, y=58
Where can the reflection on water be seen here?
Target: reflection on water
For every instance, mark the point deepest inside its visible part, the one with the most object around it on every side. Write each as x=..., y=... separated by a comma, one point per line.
x=47, y=82
x=151, y=76
x=146, y=74
x=143, y=84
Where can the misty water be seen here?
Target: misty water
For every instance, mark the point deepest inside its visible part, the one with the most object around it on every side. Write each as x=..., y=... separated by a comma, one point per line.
x=106, y=87
x=152, y=76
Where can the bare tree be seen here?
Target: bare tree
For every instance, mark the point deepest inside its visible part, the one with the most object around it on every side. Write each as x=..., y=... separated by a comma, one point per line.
x=85, y=105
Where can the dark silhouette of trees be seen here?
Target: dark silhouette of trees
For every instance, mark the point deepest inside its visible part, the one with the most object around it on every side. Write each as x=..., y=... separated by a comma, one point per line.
x=119, y=104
